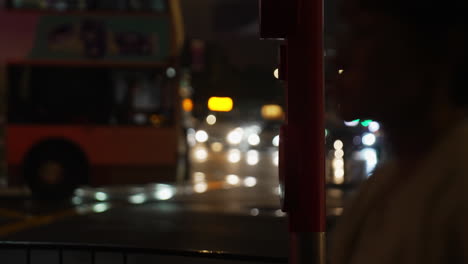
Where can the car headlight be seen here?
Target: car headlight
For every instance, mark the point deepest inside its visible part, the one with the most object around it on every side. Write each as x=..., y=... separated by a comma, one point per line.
x=368, y=139
x=235, y=136
x=201, y=136
x=253, y=140
x=276, y=141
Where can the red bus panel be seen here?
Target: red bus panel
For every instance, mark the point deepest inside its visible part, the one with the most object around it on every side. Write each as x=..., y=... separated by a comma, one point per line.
x=103, y=145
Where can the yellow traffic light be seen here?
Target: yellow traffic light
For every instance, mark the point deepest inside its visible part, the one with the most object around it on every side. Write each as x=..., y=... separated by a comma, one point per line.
x=187, y=105
x=220, y=104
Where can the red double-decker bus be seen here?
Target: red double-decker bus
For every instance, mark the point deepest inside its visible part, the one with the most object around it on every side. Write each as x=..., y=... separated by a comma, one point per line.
x=91, y=92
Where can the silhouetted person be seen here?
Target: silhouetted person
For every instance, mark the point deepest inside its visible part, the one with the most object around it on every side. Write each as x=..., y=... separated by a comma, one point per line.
x=405, y=65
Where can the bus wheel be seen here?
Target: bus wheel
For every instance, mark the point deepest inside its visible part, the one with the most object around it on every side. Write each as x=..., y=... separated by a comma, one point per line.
x=54, y=171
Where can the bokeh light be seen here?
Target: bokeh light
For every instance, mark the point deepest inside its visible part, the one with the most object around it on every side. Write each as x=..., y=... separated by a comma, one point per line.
x=232, y=179
x=250, y=181
x=234, y=156
x=201, y=136
x=211, y=120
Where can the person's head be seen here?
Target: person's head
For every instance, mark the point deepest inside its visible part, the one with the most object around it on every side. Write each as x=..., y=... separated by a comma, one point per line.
x=402, y=58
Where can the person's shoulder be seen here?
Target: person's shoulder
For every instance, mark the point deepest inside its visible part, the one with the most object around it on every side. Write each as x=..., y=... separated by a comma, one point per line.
x=366, y=191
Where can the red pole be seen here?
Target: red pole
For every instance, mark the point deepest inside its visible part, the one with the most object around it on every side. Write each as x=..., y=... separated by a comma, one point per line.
x=305, y=119
x=302, y=150
x=305, y=165
x=305, y=129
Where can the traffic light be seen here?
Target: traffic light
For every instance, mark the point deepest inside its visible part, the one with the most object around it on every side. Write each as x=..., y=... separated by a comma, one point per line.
x=366, y=123
x=220, y=104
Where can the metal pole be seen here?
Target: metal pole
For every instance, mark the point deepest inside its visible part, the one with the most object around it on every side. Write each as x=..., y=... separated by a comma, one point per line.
x=305, y=129
x=302, y=147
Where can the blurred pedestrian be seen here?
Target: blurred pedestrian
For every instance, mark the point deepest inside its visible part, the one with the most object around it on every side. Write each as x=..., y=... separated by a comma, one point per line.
x=404, y=63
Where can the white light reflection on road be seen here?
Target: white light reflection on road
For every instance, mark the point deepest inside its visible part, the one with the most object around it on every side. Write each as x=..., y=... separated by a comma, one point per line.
x=280, y=213
x=86, y=209
x=80, y=192
x=234, y=156
x=164, y=193
x=191, y=137
x=276, y=141
x=253, y=157
x=201, y=154
x=370, y=156
x=200, y=187
x=338, y=163
x=250, y=181
x=232, y=179
x=339, y=176
x=101, y=196
x=77, y=200
x=277, y=190
x=137, y=198
x=254, y=212
x=275, y=158
x=100, y=207
x=217, y=147
x=199, y=177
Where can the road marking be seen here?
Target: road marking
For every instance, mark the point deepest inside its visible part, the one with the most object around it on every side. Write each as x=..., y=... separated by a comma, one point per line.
x=35, y=222
x=27, y=222
x=43, y=220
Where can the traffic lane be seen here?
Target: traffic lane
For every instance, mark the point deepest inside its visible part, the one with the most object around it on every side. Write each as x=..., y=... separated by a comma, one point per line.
x=225, y=196
x=170, y=225
x=260, y=171
x=219, y=198
x=22, y=207
x=23, y=213
x=242, y=201
x=26, y=207
x=262, y=165
x=200, y=225
x=217, y=166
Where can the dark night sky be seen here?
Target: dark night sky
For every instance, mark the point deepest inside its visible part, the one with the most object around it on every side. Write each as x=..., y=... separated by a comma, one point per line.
x=241, y=64
x=207, y=18
x=231, y=24
x=231, y=27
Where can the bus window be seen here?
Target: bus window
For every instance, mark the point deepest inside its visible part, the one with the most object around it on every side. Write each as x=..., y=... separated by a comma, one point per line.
x=140, y=98
x=101, y=96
